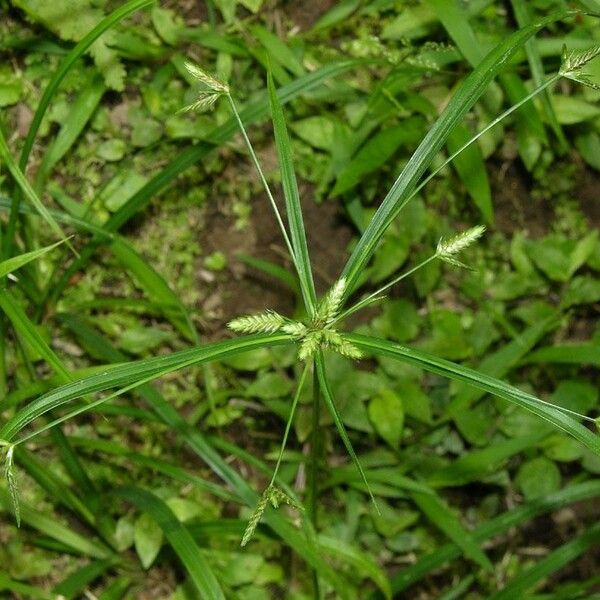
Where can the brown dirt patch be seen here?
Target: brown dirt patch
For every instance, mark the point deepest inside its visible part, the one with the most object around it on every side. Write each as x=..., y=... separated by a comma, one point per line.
x=514, y=208
x=305, y=13
x=588, y=195
x=241, y=289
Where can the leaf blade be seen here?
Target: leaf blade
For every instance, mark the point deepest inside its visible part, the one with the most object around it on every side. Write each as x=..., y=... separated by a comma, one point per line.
x=462, y=100
x=180, y=539
x=479, y=380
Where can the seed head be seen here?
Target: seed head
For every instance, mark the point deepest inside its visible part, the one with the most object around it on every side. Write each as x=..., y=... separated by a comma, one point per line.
x=572, y=63
x=214, y=89
x=331, y=303
x=448, y=249
x=267, y=322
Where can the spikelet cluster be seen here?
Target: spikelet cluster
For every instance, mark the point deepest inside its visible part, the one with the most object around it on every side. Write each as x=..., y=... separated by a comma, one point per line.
x=267, y=322
x=448, y=249
x=214, y=89
x=318, y=334
x=331, y=303
x=272, y=495
x=328, y=339
x=573, y=62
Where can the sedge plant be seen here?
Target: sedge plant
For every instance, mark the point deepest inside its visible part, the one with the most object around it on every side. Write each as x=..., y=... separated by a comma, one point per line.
x=320, y=331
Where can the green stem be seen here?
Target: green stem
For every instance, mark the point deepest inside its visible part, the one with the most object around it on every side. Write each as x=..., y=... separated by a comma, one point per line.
x=315, y=449
x=373, y=297
x=3, y=372
x=263, y=179
x=489, y=126
x=376, y=295
x=289, y=422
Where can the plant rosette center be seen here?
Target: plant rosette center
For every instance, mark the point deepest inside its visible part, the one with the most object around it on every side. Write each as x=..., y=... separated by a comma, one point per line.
x=319, y=333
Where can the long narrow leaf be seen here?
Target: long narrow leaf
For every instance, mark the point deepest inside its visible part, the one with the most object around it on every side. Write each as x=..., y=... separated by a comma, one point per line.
x=130, y=373
x=484, y=382
x=29, y=334
x=76, y=582
x=329, y=401
x=523, y=17
x=31, y=515
x=68, y=61
x=180, y=539
x=494, y=527
x=441, y=516
x=16, y=262
x=292, y=199
x=80, y=113
x=557, y=559
x=28, y=190
x=463, y=99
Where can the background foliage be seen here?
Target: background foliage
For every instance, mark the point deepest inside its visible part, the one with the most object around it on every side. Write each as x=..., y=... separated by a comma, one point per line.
x=148, y=495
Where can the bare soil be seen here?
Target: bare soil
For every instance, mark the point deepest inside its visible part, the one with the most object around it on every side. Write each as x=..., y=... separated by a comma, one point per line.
x=245, y=290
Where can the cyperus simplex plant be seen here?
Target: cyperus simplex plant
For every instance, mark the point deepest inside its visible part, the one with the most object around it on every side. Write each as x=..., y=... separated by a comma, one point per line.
x=320, y=330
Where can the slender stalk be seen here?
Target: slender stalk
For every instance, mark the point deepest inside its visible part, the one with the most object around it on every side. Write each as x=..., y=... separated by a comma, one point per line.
x=3, y=372
x=263, y=179
x=315, y=450
x=489, y=126
x=376, y=295
x=289, y=422
x=373, y=297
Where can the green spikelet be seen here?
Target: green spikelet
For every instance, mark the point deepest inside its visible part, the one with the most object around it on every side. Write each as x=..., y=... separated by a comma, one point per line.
x=11, y=481
x=310, y=344
x=277, y=497
x=345, y=348
x=214, y=89
x=331, y=303
x=267, y=322
x=256, y=517
x=448, y=249
x=572, y=63
x=295, y=328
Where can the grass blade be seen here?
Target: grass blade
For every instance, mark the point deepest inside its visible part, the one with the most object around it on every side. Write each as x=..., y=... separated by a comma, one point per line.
x=523, y=17
x=329, y=401
x=529, y=125
x=494, y=527
x=29, y=334
x=16, y=262
x=479, y=380
x=28, y=190
x=478, y=464
x=470, y=166
x=23, y=590
x=441, y=516
x=358, y=559
x=549, y=565
x=134, y=372
x=463, y=99
x=66, y=64
x=80, y=113
x=76, y=582
x=180, y=539
x=53, y=485
x=568, y=354
x=292, y=199
x=499, y=363
x=51, y=527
